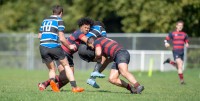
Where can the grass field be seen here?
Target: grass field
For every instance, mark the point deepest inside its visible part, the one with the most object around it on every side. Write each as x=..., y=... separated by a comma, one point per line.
x=21, y=85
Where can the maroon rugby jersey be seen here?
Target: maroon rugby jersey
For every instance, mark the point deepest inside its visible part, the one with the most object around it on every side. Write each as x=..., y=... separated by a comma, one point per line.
x=74, y=38
x=109, y=47
x=178, y=39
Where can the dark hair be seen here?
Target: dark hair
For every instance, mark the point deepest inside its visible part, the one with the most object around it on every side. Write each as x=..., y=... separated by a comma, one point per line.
x=91, y=40
x=85, y=21
x=99, y=23
x=57, y=9
x=180, y=21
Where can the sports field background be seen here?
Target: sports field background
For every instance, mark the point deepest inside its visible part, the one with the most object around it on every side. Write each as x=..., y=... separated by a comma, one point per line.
x=21, y=85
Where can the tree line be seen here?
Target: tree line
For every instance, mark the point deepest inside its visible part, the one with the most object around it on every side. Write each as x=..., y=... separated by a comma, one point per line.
x=119, y=16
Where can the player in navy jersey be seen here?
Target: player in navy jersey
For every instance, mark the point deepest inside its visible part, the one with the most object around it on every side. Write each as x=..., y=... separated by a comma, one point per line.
x=121, y=58
x=179, y=39
x=50, y=35
x=87, y=54
x=74, y=38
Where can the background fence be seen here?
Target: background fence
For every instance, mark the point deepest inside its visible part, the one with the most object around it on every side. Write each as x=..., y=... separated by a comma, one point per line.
x=147, y=51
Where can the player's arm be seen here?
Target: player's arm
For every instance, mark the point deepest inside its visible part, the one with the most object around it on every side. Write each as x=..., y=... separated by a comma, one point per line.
x=40, y=32
x=98, y=51
x=39, y=35
x=166, y=41
x=64, y=42
x=186, y=41
x=83, y=38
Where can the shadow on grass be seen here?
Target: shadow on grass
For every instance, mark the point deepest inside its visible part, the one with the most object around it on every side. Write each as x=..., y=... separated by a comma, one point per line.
x=101, y=91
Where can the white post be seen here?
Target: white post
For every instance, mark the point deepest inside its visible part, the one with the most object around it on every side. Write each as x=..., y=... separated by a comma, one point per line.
x=142, y=61
x=185, y=58
x=30, y=51
x=161, y=63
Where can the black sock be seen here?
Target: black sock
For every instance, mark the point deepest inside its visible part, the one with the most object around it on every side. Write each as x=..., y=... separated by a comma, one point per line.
x=73, y=83
x=97, y=67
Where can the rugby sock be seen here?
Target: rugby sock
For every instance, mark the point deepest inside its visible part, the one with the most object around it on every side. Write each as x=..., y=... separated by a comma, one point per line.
x=172, y=62
x=128, y=87
x=136, y=85
x=180, y=76
x=60, y=84
x=57, y=78
x=46, y=83
x=73, y=83
x=97, y=67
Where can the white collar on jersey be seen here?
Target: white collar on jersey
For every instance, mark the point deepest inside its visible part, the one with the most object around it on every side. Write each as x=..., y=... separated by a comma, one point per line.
x=55, y=16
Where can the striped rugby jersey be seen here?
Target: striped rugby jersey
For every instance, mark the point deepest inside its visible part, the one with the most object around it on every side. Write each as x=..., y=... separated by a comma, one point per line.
x=109, y=47
x=96, y=31
x=49, y=30
x=178, y=39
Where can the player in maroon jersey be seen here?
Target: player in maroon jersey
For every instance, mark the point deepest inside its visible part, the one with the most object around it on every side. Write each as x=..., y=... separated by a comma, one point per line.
x=179, y=39
x=121, y=58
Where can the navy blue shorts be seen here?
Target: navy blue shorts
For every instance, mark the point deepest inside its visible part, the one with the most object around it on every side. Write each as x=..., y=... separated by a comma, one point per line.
x=178, y=54
x=69, y=58
x=50, y=54
x=86, y=53
x=122, y=56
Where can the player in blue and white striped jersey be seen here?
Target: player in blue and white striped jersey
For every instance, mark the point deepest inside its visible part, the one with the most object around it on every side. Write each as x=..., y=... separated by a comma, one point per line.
x=50, y=35
x=97, y=30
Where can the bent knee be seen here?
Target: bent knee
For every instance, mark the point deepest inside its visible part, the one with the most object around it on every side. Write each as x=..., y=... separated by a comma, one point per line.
x=112, y=80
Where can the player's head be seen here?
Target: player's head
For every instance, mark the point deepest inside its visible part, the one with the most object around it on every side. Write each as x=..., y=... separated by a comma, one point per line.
x=57, y=10
x=90, y=42
x=99, y=23
x=179, y=25
x=85, y=24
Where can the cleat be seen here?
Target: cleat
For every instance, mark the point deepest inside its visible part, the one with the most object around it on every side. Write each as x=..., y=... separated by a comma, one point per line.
x=133, y=90
x=77, y=89
x=97, y=74
x=167, y=61
x=54, y=86
x=41, y=87
x=139, y=89
x=93, y=83
x=182, y=82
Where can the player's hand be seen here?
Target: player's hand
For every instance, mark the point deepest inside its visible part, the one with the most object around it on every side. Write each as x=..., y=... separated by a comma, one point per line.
x=167, y=45
x=186, y=45
x=72, y=47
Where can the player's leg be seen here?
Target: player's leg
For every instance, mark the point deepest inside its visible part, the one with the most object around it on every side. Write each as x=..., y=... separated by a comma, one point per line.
x=70, y=76
x=88, y=55
x=52, y=75
x=48, y=60
x=173, y=63
x=180, y=70
x=114, y=79
x=122, y=59
x=63, y=80
x=98, y=66
x=91, y=81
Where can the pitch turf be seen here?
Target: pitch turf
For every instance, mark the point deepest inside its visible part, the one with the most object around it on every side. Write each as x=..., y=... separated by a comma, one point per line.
x=21, y=85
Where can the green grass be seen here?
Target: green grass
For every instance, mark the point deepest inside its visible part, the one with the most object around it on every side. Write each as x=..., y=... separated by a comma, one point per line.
x=21, y=85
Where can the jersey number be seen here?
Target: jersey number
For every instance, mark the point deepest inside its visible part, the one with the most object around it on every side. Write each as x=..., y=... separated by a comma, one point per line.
x=47, y=26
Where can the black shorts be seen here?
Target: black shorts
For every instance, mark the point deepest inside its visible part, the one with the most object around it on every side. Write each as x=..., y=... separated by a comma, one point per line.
x=69, y=58
x=122, y=56
x=86, y=53
x=114, y=66
x=178, y=54
x=50, y=54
